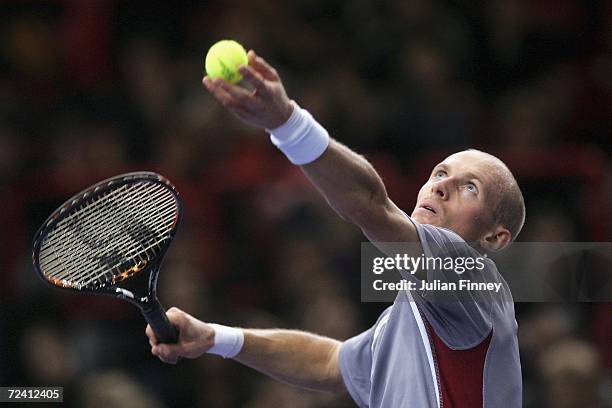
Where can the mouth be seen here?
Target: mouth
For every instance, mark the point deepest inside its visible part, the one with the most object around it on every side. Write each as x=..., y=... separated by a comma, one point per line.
x=428, y=208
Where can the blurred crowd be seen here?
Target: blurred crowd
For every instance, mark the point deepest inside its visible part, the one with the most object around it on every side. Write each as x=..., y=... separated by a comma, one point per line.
x=93, y=88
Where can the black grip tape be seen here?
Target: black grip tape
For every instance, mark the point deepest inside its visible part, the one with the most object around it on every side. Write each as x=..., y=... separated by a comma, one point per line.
x=164, y=331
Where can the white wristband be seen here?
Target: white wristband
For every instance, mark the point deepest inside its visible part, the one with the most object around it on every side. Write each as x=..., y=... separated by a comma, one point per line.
x=301, y=138
x=228, y=341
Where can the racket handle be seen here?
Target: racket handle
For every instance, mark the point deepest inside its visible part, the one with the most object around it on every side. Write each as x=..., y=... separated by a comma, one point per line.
x=155, y=315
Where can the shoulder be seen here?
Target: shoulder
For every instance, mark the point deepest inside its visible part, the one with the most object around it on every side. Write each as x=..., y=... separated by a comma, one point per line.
x=437, y=241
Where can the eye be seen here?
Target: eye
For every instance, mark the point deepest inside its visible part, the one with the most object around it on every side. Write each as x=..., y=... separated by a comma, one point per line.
x=439, y=174
x=471, y=187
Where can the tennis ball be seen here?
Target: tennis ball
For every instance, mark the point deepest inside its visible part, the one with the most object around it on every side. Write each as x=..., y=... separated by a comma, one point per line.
x=223, y=60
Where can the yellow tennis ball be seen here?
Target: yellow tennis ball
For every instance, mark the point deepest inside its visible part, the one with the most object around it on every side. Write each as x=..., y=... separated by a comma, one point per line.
x=223, y=60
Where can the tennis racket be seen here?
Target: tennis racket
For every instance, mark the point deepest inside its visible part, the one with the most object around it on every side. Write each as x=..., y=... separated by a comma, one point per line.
x=111, y=239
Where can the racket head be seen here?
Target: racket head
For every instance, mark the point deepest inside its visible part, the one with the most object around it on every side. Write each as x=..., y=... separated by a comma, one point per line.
x=109, y=234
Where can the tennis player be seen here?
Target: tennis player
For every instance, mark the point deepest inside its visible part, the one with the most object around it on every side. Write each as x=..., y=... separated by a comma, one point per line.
x=461, y=351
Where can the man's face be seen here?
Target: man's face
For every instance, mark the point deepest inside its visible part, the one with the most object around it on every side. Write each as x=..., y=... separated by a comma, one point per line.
x=458, y=194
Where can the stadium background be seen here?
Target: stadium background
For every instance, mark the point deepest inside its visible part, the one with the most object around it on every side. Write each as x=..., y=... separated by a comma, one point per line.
x=89, y=89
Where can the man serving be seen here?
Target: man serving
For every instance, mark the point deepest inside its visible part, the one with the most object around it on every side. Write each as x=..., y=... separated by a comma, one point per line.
x=460, y=351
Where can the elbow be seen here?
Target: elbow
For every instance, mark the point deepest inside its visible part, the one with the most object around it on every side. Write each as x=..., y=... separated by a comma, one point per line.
x=334, y=380
x=337, y=386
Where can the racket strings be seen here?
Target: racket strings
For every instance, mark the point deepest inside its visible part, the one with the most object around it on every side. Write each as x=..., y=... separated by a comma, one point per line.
x=71, y=248
x=83, y=215
x=81, y=218
x=70, y=251
x=118, y=255
x=107, y=237
x=107, y=229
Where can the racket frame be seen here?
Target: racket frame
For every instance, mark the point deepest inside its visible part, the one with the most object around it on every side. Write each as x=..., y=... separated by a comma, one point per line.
x=130, y=288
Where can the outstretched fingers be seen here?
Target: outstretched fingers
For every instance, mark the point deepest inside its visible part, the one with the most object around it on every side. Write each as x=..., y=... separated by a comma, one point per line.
x=260, y=65
x=236, y=92
x=232, y=97
x=265, y=105
x=256, y=79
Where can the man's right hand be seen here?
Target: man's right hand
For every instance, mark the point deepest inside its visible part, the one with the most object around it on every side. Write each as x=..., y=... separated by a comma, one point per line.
x=267, y=106
x=195, y=338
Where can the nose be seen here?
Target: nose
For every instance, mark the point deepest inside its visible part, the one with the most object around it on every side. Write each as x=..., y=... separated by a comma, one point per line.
x=440, y=188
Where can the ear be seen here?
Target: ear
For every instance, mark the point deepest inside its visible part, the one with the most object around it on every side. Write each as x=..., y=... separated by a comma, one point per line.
x=496, y=240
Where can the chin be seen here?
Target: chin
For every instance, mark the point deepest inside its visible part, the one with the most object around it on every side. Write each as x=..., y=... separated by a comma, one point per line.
x=425, y=220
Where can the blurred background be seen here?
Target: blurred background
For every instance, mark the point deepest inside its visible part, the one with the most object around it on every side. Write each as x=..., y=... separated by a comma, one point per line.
x=93, y=88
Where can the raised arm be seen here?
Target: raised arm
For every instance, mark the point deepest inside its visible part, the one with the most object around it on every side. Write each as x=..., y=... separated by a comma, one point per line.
x=356, y=192
x=347, y=180
x=297, y=358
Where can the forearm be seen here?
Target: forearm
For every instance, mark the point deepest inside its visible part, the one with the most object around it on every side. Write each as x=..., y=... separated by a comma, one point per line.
x=348, y=182
x=297, y=358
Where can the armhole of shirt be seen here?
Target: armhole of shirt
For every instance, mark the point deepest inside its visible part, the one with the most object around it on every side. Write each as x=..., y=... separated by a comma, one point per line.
x=426, y=343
